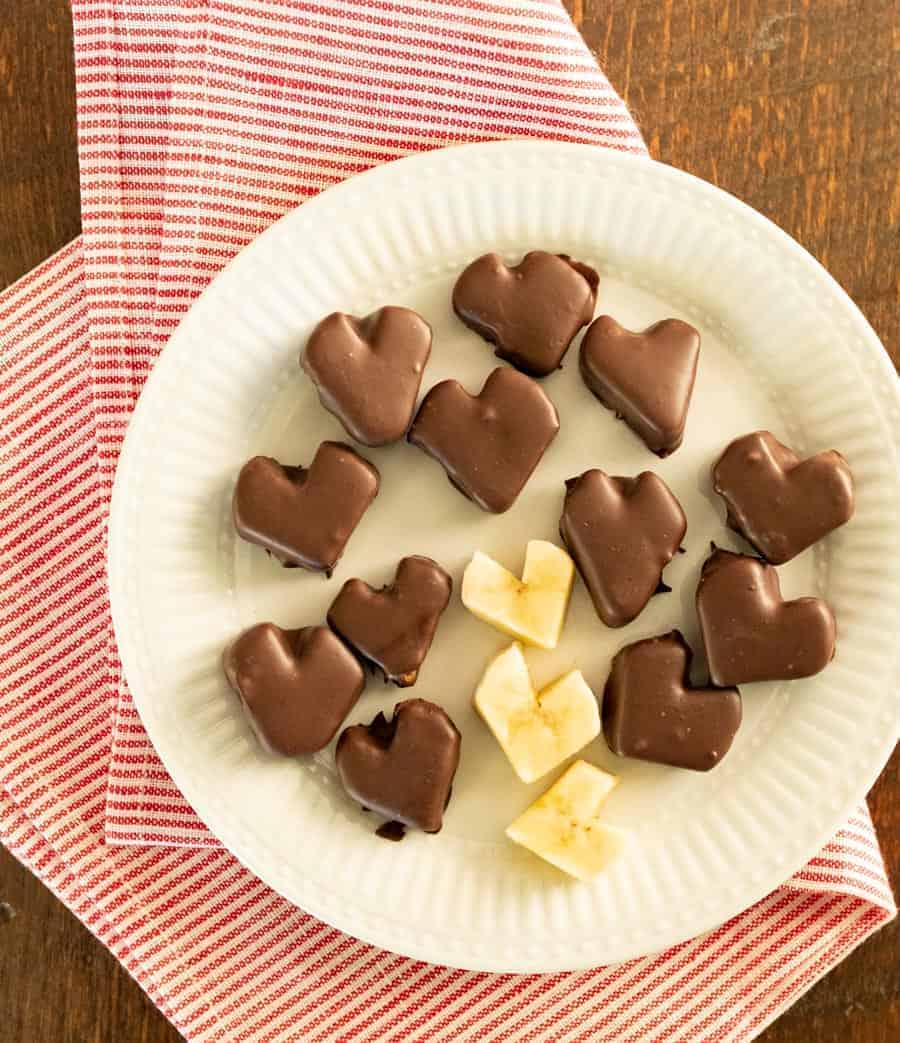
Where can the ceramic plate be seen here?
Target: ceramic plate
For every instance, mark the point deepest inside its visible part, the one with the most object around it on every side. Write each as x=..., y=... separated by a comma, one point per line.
x=782, y=348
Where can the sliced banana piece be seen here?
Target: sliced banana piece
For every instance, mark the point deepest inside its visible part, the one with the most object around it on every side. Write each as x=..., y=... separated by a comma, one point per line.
x=563, y=826
x=537, y=730
x=533, y=608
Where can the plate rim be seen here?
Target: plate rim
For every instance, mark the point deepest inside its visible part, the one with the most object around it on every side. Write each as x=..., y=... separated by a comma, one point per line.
x=116, y=571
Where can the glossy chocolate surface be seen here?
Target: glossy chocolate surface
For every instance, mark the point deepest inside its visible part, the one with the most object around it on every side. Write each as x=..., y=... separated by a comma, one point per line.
x=531, y=311
x=652, y=712
x=778, y=502
x=403, y=768
x=750, y=632
x=645, y=378
x=297, y=686
x=621, y=533
x=304, y=516
x=393, y=627
x=489, y=443
x=368, y=371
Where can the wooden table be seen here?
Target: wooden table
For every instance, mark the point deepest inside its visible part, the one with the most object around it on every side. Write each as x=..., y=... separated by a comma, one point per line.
x=785, y=103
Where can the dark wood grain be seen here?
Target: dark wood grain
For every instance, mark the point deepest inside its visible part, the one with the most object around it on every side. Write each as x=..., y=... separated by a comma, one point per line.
x=39, y=200
x=58, y=984
x=789, y=104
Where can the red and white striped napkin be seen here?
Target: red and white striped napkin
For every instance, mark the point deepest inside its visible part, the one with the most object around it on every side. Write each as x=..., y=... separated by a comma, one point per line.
x=199, y=124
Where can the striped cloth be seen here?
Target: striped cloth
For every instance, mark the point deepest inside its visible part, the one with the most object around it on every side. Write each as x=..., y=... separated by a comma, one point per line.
x=199, y=123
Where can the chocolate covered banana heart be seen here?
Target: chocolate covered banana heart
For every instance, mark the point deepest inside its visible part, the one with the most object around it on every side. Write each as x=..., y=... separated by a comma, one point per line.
x=402, y=768
x=304, y=516
x=488, y=443
x=750, y=632
x=646, y=378
x=530, y=311
x=652, y=712
x=621, y=533
x=778, y=502
x=394, y=627
x=368, y=371
x=297, y=686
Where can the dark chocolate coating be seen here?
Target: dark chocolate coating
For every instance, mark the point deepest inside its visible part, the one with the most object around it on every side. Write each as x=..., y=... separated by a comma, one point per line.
x=646, y=378
x=393, y=831
x=304, y=516
x=296, y=685
x=750, y=632
x=403, y=768
x=621, y=533
x=532, y=311
x=778, y=502
x=651, y=711
x=489, y=443
x=394, y=627
x=368, y=371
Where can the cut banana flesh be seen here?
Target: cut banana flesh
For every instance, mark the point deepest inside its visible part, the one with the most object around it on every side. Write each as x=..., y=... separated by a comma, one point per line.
x=537, y=730
x=563, y=826
x=533, y=608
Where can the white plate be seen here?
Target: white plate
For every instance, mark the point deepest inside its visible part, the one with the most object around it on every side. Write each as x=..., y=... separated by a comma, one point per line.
x=783, y=348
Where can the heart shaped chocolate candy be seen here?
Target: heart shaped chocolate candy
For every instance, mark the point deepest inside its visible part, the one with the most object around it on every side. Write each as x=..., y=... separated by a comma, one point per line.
x=621, y=532
x=394, y=627
x=646, y=378
x=297, y=686
x=368, y=371
x=750, y=632
x=304, y=517
x=402, y=768
x=778, y=502
x=531, y=311
x=652, y=712
x=489, y=443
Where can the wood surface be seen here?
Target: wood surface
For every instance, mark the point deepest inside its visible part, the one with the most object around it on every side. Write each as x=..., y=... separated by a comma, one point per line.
x=789, y=104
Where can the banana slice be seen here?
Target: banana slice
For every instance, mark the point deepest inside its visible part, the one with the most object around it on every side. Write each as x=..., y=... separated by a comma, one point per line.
x=532, y=608
x=563, y=826
x=537, y=730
